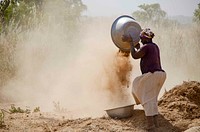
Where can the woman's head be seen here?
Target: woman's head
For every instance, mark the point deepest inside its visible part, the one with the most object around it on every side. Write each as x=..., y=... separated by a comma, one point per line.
x=146, y=35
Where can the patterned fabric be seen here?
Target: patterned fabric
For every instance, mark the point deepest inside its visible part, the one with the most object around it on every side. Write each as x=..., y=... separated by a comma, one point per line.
x=147, y=33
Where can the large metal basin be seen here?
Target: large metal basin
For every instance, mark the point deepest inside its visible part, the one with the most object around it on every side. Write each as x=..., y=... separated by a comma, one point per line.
x=120, y=112
x=124, y=25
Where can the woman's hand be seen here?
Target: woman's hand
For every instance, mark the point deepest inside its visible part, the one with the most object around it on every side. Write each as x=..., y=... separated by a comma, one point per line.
x=137, y=46
x=126, y=38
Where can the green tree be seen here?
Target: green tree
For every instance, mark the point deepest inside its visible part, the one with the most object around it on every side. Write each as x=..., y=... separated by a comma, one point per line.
x=67, y=10
x=20, y=15
x=149, y=12
x=15, y=13
x=23, y=13
x=3, y=6
x=197, y=14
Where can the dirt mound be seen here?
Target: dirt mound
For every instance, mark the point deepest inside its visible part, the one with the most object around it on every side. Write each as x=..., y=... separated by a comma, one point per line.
x=183, y=101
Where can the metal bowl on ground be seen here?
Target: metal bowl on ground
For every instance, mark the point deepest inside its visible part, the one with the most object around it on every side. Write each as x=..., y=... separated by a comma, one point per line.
x=125, y=25
x=121, y=112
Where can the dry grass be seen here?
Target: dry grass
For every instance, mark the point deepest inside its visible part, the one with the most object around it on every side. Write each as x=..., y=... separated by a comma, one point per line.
x=7, y=53
x=180, y=51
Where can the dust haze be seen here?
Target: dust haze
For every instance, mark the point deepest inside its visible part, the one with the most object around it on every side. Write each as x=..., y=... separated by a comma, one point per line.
x=83, y=73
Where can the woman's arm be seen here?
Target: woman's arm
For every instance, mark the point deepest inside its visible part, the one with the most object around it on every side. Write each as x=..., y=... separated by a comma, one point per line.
x=139, y=53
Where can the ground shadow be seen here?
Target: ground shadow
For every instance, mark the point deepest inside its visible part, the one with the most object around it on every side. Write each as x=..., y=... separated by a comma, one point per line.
x=166, y=126
x=138, y=120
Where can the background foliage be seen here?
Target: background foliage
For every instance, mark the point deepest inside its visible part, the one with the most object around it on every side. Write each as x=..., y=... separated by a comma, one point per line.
x=197, y=14
x=150, y=13
x=21, y=16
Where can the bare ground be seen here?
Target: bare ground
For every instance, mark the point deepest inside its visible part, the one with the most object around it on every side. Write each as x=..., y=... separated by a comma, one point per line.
x=179, y=110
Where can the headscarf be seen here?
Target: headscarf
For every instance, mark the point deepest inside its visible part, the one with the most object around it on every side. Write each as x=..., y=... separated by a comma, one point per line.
x=147, y=33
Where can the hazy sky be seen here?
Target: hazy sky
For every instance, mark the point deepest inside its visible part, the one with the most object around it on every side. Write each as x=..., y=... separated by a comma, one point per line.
x=119, y=7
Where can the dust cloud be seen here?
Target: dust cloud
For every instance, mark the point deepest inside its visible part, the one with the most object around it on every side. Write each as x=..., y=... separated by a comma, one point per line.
x=84, y=74
x=179, y=48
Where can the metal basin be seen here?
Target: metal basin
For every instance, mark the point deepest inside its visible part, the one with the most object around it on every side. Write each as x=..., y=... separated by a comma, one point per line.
x=120, y=112
x=123, y=25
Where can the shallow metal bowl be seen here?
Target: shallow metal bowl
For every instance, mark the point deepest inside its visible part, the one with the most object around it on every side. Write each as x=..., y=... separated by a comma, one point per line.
x=120, y=112
x=122, y=26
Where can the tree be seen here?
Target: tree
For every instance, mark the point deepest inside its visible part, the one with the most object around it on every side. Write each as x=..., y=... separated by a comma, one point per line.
x=73, y=11
x=149, y=12
x=15, y=13
x=197, y=14
x=3, y=6
x=23, y=13
x=67, y=10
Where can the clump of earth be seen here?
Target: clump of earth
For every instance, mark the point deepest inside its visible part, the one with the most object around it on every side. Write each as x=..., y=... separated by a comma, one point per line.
x=181, y=105
x=184, y=100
